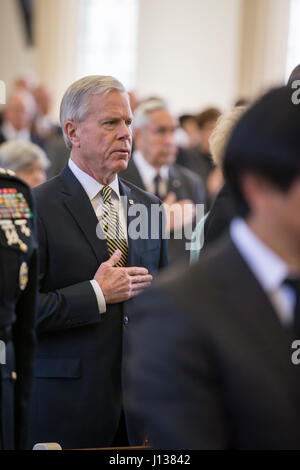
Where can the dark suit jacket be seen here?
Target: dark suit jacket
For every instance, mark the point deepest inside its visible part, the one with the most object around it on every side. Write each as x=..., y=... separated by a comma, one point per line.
x=186, y=185
x=220, y=215
x=18, y=293
x=77, y=397
x=210, y=364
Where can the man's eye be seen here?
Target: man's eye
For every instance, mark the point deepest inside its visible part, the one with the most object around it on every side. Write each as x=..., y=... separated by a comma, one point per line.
x=129, y=122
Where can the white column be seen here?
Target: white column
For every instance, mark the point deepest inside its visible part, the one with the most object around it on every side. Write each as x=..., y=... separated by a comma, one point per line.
x=263, y=45
x=56, y=28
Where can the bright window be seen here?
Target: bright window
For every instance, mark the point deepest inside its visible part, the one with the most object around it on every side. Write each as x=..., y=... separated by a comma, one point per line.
x=107, y=40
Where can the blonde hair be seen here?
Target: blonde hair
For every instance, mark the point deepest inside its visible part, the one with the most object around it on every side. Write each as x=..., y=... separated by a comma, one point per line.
x=221, y=133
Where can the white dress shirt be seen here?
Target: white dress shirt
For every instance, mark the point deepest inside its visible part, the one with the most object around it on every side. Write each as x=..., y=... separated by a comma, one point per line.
x=10, y=133
x=267, y=267
x=92, y=188
x=148, y=173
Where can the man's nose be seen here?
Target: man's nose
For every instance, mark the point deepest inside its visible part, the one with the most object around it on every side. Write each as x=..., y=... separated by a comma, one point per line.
x=170, y=139
x=124, y=131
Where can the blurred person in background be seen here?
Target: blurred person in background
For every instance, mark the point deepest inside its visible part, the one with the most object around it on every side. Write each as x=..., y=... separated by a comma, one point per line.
x=215, y=349
x=153, y=168
x=46, y=130
x=17, y=118
x=188, y=124
x=223, y=209
x=44, y=126
x=134, y=100
x=198, y=157
x=27, y=160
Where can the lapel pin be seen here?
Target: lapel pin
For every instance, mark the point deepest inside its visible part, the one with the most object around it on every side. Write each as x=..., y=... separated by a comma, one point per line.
x=130, y=201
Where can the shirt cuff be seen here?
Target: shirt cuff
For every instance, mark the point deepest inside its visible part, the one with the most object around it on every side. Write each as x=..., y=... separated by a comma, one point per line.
x=99, y=295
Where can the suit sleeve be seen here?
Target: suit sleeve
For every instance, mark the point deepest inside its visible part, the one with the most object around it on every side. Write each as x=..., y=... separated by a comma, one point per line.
x=173, y=389
x=65, y=308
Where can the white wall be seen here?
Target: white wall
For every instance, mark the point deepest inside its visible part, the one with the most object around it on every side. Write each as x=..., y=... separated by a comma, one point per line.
x=16, y=58
x=192, y=52
x=188, y=51
x=263, y=45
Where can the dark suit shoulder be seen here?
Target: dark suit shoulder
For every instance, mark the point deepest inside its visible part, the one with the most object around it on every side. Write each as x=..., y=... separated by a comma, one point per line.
x=49, y=185
x=183, y=172
x=201, y=283
x=140, y=194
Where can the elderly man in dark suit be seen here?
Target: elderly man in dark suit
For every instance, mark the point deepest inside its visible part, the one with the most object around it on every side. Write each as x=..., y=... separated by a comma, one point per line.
x=153, y=168
x=89, y=272
x=215, y=350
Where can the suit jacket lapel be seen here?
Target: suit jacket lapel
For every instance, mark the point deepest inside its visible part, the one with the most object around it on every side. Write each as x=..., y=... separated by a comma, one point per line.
x=133, y=245
x=174, y=182
x=79, y=205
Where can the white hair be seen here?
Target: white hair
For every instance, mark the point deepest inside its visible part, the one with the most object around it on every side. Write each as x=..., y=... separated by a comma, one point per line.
x=141, y=115
x=222, y=132
x=74, y=105
x=17, y=154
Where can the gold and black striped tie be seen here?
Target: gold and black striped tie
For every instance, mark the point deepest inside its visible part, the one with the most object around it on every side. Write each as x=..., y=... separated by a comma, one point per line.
x=115, y=238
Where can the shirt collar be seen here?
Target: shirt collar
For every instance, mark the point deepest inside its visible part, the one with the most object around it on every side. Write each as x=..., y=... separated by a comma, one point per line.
x=91, y=186
x=269, y=269
x=147, y=171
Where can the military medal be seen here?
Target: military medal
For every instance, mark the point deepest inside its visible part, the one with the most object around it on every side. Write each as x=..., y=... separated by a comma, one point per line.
x=11, y=234
x=23, y=276
x=23, y=226
x=13, y=205
x=14, y=212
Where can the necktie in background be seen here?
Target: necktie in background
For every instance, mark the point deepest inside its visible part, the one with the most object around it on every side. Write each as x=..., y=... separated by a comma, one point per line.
x=157, y=181
x=295, y=285
x=115, y=238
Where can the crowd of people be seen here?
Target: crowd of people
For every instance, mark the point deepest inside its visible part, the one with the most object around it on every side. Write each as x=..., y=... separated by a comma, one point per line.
x=126, y=195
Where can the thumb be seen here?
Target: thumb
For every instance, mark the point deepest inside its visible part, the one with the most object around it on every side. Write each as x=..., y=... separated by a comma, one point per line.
x=115, y=257
x=170, y=199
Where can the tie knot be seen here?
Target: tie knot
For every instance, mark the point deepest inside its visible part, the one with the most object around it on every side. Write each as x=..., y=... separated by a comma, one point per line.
x=106, y=193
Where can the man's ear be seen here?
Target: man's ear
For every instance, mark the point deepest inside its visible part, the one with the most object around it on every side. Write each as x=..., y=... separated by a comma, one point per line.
x=71, y=129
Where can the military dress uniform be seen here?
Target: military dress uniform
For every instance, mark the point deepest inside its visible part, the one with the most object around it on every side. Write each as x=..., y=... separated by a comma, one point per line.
x=18, y=291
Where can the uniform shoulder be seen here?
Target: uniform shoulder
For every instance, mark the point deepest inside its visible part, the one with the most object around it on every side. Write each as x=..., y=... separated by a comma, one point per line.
x=9, y=177
x=43, y=189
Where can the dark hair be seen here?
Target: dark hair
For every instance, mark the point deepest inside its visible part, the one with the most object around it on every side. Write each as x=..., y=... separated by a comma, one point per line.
x=209, y=114
x=186, y=117
x=266, y=141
